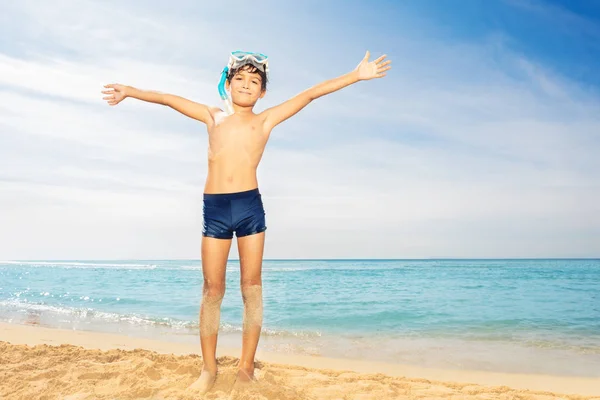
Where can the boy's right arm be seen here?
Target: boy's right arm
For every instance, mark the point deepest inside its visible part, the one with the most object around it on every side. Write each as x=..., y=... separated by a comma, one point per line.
x=187, y=107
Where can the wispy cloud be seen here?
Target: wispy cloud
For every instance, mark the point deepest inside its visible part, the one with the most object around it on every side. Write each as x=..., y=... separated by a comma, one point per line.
x=465, y=149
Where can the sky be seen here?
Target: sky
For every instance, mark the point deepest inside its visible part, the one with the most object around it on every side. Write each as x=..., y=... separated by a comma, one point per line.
x=481, y=142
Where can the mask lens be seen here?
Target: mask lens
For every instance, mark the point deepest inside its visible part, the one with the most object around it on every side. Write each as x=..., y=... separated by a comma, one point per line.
x=238, y=55
x=241, y=55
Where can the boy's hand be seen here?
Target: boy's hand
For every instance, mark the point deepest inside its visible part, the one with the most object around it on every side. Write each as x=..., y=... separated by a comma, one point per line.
x=374, y=69
x=116, y=95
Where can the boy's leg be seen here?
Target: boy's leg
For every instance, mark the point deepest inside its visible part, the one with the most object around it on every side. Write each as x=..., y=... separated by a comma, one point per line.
x=251, y=254
x=214, y=262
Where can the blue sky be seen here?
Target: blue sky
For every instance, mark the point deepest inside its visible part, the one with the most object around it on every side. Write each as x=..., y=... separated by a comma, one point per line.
x=482, y=141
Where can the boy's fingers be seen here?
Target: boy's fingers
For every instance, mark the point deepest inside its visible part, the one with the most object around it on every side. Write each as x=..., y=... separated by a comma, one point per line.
x=108, y=91
x=380, y=58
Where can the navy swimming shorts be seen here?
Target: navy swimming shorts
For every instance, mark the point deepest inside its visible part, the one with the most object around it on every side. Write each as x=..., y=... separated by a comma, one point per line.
x=226, y=213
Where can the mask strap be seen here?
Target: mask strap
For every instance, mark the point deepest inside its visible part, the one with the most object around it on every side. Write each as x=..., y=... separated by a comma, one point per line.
x=223, y=92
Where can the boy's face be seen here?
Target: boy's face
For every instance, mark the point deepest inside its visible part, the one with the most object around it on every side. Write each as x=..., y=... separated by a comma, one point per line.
x=246, y=88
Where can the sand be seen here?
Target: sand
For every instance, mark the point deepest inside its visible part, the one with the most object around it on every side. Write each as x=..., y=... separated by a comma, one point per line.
x=45, y=363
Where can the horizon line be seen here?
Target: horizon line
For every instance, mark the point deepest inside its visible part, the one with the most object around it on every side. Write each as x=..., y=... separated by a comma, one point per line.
x=320, y=259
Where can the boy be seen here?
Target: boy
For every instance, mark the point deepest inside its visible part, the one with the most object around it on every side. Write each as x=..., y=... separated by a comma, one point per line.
x=232, y=201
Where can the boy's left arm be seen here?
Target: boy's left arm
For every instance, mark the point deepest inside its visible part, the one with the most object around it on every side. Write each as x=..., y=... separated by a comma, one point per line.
x=364, y=71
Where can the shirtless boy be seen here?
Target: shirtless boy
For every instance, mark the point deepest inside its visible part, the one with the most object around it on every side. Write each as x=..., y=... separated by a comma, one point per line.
x=232, y=201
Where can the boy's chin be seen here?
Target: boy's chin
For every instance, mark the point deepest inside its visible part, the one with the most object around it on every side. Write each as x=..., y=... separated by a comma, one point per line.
x=245, y=103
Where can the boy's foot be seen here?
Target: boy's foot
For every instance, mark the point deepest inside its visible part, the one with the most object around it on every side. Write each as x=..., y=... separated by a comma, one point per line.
x=205, y=382
x=244, y=378
x=245, y=375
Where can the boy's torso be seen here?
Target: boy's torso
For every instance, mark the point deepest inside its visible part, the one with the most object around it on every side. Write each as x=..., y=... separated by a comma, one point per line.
x=235, y=147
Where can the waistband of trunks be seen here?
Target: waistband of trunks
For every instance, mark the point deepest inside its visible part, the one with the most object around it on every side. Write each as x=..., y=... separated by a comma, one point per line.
x=231, y=196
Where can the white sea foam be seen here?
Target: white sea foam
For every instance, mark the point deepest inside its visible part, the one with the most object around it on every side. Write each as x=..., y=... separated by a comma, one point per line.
x=92, y=315
x=77, y=264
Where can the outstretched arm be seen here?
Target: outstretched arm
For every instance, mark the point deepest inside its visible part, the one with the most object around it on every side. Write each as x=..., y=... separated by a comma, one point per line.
x=187, y=107
x=364, y=71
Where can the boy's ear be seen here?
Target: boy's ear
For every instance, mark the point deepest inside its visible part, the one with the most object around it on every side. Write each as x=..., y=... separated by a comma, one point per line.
x=262, y=94
x=227, y=85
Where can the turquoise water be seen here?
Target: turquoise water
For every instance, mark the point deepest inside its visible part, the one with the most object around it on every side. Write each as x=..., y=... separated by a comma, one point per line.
x=540, y=316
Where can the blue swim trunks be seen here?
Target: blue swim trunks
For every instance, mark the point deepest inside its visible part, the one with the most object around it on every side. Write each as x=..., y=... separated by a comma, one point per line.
x=226, y=213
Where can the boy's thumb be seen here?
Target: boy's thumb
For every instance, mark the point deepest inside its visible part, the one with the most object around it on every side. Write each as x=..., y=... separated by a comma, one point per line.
x=367, y=56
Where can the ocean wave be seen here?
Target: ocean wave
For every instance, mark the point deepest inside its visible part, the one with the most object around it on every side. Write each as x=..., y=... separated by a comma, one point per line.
x=90, y=314
x=273, y=332
x=53, y=315
x=69, y=264
x=268, y=266
x=86, y=313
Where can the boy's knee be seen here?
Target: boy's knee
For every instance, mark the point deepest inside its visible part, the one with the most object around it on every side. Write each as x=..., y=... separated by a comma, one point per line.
x=214, y=291
x=251, y=281
x=251, y=290
x=210, y=313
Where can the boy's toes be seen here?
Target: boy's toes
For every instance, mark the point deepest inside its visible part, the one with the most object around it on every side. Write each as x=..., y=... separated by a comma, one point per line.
x=205, y=382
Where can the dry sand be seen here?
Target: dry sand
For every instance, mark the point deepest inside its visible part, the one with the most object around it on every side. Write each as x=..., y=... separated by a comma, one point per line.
x=44, y=363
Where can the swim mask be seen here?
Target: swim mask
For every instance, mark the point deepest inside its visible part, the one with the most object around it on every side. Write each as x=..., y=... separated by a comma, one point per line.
x=239, y=58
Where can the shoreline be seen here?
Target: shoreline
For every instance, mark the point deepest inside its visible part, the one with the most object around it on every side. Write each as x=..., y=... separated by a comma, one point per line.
x=435, y=352
x=16, y=334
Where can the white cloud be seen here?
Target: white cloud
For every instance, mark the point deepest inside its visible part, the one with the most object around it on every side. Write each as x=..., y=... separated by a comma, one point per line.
x=495, y=161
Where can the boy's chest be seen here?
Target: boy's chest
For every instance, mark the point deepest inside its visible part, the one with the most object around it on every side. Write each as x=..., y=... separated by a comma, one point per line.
x=237, y=135
x=237, y=128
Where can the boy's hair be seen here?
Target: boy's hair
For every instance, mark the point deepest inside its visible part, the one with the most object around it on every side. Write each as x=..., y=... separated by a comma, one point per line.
x=251, y=69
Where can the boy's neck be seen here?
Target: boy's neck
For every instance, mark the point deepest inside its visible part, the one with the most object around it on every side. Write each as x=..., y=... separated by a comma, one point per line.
x=243, y=110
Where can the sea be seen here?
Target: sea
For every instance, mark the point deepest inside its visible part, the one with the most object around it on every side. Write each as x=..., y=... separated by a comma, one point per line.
x=538, y=316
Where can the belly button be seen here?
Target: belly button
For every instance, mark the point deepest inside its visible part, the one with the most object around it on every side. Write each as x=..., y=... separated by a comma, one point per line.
x=230, y=179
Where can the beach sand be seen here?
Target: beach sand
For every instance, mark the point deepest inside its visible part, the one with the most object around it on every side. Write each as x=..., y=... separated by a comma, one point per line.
x=44, y=363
